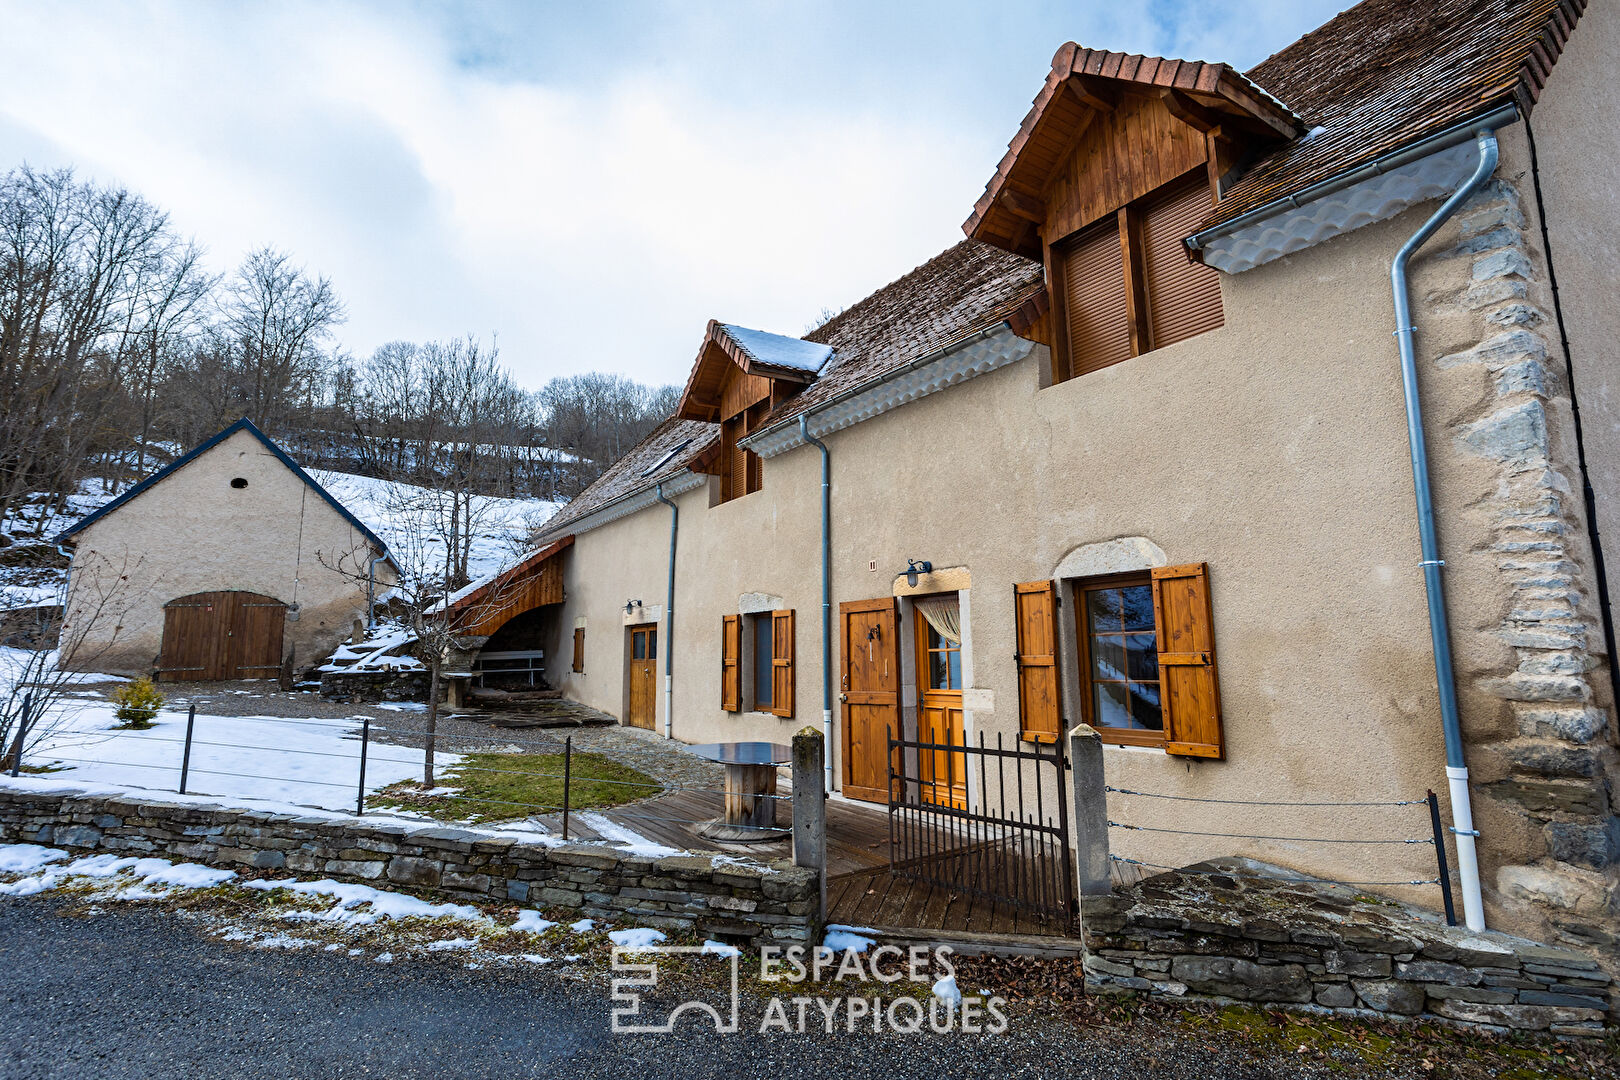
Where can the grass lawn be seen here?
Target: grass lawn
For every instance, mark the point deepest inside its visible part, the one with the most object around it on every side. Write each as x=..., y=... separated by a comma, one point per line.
x=500, y=787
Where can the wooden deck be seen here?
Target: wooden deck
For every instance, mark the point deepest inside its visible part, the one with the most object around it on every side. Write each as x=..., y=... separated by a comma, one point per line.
x=861, y=891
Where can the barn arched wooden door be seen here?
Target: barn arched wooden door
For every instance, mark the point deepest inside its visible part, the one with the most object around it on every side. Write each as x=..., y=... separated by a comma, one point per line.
x=214, y=636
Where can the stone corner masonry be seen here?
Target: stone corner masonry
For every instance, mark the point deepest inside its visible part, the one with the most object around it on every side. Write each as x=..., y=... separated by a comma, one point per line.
x=762, y=905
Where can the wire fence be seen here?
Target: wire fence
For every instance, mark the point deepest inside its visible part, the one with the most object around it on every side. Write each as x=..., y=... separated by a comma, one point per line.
x=1395, y=835
x=363, y=756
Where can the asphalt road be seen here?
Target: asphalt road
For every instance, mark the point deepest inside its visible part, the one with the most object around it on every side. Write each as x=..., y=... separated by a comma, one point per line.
x=144, y=994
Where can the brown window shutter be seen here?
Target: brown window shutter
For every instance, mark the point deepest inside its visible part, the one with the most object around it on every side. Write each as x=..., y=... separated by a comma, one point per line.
x=730, y=663
x=1094, y=305
x=1183, y=297
x=727, y=464
x=782, y=663
x=579, y=648
x=1039, y=697
x=1189, y=692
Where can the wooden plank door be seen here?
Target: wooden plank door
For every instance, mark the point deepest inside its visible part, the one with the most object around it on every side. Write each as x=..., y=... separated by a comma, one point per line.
x=195, y=633
x=870, y=694
x=253, y=646
x=643, y=709
x=943, y=773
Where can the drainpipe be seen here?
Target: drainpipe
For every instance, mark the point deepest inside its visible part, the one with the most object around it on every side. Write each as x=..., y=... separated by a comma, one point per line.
x=826, y=589
x=371, y=591
x=669, y=618
x=1462, y=818
x=67, y=580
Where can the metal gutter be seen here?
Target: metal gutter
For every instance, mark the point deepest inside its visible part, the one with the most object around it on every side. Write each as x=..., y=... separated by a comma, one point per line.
x=669, y=618
x=826, y=589
x=1462, y=817
x=1455, y=135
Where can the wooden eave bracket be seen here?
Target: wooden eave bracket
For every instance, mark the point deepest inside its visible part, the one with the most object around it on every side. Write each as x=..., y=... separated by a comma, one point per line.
x=1026, y=315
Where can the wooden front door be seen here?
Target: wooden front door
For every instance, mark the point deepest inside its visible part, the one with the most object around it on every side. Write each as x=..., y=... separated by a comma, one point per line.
x=208, y=637
x=871, y=694
x=643, y=710
x=942, y=773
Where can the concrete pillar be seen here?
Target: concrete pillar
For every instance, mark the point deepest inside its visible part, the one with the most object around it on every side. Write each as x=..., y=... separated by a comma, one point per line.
x=1090, y=811
x=810, y=809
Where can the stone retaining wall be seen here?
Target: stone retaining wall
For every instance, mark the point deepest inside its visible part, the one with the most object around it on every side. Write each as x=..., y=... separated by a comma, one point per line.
x=760, y=905
x=1218, y=936
x=359, y=687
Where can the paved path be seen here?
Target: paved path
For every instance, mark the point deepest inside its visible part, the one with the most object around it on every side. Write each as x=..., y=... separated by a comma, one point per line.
x=140, y=994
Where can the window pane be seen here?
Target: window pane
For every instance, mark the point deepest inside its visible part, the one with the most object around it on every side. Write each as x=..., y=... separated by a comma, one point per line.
x=956, y=669
x=1110, y=705
x=1145, y=712
x=762, y=662
x=652, y=644
x=638, y=646
x=1107, y=658
x=1143, y=656
x=1103, y=604
x=939, y=675
x=1137, y=604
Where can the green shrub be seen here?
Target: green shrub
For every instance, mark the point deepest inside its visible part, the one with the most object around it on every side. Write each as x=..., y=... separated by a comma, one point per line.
x=138, y=703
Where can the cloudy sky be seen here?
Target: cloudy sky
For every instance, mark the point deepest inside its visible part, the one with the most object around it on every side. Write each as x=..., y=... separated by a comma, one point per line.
x=590, y=182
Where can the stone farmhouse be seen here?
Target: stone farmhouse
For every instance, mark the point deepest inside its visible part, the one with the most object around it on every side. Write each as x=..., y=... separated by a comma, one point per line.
x=228, y=564
x=1267, y=422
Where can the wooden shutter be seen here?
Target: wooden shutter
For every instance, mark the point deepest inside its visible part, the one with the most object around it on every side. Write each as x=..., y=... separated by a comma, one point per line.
x=1188, y=690
x=1039, y=697
x=726, y=466
x=1095, y=312
x=782, y=663
x=731, y=663
x=1183, y=297
x=579, y=648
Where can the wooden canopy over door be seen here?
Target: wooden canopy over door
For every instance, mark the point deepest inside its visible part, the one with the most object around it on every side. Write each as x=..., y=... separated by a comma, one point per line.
x=871, y=694
x=214, y=636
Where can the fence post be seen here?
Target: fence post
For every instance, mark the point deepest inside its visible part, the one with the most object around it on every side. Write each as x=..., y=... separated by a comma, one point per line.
x=568, y=775
x=1090, y=811
x=810, y=810
x=22, y=733
x=185, y=755
x=360, y=796
x=1440, y=857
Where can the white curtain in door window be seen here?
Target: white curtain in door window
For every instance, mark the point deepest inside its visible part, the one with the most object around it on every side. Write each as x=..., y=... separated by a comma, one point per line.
x=944, y=614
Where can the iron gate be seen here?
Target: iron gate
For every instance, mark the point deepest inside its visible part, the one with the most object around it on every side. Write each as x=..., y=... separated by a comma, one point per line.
x=1017, y=854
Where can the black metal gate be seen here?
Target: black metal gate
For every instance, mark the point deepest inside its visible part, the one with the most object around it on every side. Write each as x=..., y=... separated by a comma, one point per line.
x=1014, y=849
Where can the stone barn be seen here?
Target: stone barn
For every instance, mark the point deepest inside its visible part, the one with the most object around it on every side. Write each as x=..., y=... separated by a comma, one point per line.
x=227, y=564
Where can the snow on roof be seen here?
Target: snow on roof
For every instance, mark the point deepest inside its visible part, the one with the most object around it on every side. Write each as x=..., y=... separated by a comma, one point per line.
x=777, y=350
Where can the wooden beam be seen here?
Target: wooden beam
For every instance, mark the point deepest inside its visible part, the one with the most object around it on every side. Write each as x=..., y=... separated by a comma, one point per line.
x=1190, y=112
x=1028, y=207
x=1225, y=156
x=1093, y=93
x=1130, y=249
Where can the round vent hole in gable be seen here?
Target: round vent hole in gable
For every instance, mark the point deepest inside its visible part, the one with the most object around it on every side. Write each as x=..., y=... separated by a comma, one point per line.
x=239, y=482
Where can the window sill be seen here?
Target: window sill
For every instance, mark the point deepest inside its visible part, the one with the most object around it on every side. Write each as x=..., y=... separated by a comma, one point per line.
x=1136, y=748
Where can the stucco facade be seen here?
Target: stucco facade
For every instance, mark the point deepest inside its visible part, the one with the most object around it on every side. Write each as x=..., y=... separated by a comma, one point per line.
x=194, y=531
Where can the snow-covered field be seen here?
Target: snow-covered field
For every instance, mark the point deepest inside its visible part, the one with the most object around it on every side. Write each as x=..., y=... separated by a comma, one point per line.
x=305, y=762
x=503, y=526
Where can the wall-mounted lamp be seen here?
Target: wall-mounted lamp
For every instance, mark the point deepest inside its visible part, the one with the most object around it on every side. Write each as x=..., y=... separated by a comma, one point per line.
x=913, y=568
x=631, y=605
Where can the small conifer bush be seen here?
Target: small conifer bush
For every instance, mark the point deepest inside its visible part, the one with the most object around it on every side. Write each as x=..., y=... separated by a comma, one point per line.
x=138, y=703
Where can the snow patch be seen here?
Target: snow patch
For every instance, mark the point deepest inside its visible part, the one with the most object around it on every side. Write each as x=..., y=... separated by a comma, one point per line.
x=362, y=905
x=530, y=922
x=841, y=938
x=639, y=937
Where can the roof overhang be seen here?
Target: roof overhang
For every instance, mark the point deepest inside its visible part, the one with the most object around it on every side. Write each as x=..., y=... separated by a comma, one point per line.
x=1431, y=168
x=755, y=352
x=1086, y=82
x=479, y=591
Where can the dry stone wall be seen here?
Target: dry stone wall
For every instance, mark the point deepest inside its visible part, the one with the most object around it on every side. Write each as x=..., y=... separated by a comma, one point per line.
x=720, y=899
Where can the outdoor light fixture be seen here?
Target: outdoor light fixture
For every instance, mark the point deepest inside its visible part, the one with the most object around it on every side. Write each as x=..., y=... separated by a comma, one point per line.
x=913, y=568
x=631, y=605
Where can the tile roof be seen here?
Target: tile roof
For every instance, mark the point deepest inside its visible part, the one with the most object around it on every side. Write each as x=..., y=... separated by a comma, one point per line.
x=631, y=472
x=1389, y=72
x=964, y=289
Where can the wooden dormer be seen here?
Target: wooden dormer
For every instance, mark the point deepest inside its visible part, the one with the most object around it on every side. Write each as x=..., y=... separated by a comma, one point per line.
x=739, y=376
x=1119, y=159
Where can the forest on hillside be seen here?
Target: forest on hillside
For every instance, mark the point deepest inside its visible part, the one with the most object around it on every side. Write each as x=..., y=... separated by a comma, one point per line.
x=120, y=348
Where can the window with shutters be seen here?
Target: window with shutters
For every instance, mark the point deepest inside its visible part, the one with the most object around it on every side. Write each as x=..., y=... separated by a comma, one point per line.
x=756, y=663
x=741, y=471
x=579, y=648
x=1147, y=660
x=1125, y=285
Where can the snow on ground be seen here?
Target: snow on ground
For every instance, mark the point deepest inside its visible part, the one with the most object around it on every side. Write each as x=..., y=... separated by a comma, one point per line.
x=18, y=664
x=305, y=762
x=503, y=525
x=638, y=937
x=625, y=839
x=376, y=652
x=157, y=877
x=530, y=922
x=361, y=905
x=841, y=938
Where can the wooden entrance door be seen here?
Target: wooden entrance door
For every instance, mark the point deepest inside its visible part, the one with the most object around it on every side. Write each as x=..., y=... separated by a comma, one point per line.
x=871, y=694
x=208, y=637
x=942, y=773
x=643, y=710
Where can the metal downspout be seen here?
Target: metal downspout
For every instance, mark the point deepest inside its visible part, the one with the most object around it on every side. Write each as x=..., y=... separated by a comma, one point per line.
x=826, y=590
x=1462, y=818
x=371, y=591
x=669, y=618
